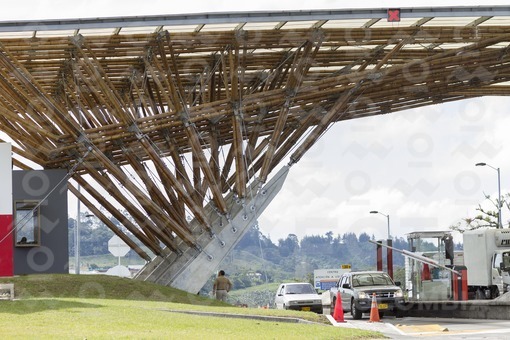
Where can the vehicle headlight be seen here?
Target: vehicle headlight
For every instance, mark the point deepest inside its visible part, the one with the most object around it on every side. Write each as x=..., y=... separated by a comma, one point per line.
x=317, y=302
x=292, y=302
x=363, y=295
x=398, y=293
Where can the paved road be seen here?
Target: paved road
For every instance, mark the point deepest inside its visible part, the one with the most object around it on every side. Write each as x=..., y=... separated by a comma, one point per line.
x=432, y=328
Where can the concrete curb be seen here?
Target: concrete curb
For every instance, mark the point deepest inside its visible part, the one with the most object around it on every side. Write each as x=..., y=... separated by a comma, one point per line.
x=472, y=309
x=244, y=316
x=387, y=329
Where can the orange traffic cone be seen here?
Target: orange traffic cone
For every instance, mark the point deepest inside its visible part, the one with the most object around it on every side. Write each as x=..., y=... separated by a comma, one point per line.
x=338, y=313
x=374, y=310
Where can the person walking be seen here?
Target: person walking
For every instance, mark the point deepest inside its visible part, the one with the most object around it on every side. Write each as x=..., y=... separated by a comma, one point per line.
x=221, y=286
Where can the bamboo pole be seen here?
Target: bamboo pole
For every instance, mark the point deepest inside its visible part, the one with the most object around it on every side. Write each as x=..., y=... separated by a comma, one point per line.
x=145, y=222
x=108, y=223
x=148, y=239
x=154, y=210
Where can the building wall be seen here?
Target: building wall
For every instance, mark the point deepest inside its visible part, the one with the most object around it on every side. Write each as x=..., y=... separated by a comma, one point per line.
x=52, y=255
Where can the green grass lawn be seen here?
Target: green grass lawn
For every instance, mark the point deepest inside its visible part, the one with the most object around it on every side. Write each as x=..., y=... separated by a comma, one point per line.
x=100, y=307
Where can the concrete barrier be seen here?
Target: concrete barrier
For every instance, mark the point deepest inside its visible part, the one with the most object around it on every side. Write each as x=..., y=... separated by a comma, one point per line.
x=7, y=291
x=475, y=309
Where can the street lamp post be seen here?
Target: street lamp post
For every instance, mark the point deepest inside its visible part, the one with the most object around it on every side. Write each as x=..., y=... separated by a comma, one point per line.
x=500, y=224
x=77, y=239
x=387, y=218
x=389, y=250
x=77, y=229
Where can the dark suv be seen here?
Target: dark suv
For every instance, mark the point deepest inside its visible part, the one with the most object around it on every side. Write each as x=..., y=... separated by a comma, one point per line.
x=357, y=289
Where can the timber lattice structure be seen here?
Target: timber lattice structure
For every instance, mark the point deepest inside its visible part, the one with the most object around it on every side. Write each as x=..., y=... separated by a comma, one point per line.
x=173, y=118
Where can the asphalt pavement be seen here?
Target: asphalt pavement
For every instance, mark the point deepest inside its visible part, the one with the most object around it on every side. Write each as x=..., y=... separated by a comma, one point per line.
x=431, y=328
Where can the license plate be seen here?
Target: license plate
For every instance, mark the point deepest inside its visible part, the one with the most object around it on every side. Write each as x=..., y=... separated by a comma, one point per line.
x=305, y=309
x=383, y=306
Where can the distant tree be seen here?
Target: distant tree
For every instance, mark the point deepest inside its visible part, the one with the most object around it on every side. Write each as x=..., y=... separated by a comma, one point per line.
x=272, y=255
x=314, y=245
x=288, y=246
x=94, y=236
x=487, y=217
x=401, y=244
x=329, y=236
x=350, y=238
x=364, y=237
x=251, y=238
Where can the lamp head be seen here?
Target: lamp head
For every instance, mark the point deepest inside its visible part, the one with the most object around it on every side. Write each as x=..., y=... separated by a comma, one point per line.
x=480, y=164
x=374, y=212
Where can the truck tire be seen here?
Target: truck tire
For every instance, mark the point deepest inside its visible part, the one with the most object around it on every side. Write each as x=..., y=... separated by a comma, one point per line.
x=494, y=292
x=356, y=314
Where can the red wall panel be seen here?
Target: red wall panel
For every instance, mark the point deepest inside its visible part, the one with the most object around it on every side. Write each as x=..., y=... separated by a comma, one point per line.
x=6, y=246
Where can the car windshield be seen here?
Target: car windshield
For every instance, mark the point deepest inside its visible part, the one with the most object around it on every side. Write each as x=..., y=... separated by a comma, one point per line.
x=299, y=289
x=377, y=279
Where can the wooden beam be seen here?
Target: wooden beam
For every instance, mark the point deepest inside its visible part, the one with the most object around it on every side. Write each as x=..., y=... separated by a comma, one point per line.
x=237, y=123
x=152, y=188
x=301, y=65
x=324, y=122
x=155, y=212
x=176, y=184
x=108, y=223
x=151, y=230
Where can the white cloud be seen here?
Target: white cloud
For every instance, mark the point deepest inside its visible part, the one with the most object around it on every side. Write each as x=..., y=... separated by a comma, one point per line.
x=417, y=166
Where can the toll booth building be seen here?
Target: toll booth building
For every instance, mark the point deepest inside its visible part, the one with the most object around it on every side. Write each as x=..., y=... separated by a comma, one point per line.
x=39, y=231
x=428, y=273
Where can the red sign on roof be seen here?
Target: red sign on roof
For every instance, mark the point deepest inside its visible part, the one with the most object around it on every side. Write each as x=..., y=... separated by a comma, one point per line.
x=393, y=14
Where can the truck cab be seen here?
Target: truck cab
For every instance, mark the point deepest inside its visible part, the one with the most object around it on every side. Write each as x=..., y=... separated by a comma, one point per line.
x=500, y=270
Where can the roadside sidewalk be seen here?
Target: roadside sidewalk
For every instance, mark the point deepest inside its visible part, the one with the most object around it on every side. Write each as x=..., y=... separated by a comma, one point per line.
x=387, y=329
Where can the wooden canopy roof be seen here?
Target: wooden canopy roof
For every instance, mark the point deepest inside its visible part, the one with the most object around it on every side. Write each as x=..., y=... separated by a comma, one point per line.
x=161, y=116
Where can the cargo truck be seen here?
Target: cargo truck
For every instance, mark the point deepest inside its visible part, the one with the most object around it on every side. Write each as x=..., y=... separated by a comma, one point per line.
x=487, y=260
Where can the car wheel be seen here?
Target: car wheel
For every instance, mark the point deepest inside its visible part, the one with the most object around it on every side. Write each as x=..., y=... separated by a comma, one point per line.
x=284, y=307
x=333, y=302
x=356, y=314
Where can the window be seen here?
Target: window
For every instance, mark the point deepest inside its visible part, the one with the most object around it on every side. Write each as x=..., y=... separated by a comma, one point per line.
x=26, y=223
x=506, y=261
x=345, y=280
x=371, y=280
x=300, y=289
x=498, y=259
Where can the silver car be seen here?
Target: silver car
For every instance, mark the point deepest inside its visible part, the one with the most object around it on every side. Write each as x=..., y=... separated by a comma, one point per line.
x=358, y=288
x=298, y=296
